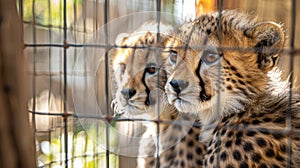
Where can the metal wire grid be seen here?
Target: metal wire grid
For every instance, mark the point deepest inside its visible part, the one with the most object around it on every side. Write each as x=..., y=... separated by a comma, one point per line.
x=65, y=117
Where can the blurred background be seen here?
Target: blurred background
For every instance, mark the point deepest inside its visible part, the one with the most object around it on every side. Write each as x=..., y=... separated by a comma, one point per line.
x=55, y=33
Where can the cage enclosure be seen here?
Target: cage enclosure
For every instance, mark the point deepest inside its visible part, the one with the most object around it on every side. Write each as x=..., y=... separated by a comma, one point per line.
x=69, y=48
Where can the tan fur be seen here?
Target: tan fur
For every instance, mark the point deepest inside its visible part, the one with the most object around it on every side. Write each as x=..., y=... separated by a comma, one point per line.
x=239, y=91
x=175, y=140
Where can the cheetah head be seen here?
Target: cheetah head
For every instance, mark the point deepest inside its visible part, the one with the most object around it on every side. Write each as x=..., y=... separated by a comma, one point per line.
x=138, y=71
x=219, y=69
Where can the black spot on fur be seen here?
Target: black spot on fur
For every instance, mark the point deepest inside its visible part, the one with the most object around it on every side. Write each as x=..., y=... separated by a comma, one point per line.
x=182, y=163
x=228, y=144
x=223, y=156
x=279, y=158
x=255, y=122
x=190, y=131
x=263, y=165
x=270, y=153
x=229, y=166
x=267, y=119
x=180, y=152
x=248, y=147
x=229, y=87
x=275, y=166
x=223, y=131
x=244, y=165
x=230, y=133
x=233, y=68
x=152, y=162
x=256, y=157
x=224, y=119
x=189, y=156
x=261, y=142
x=227, y=62
x=198, y=150
x=277, y=135
x=199, y=162
x=209, y=151
x=211, y=159
x=239, y=134
x=238, y=75
x=191, y=143
x=283, y=148
x=261, y=114
x=237, y=155
x=279, y=120
x=238, y=142
x=241, y=114
x=251, y=133
x=241, y=82
x=208, y=31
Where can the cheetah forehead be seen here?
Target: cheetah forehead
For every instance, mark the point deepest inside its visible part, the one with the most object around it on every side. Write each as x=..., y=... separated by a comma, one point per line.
x=138, y=48
x=226, y=21
x=147, y=36
x=230, y=24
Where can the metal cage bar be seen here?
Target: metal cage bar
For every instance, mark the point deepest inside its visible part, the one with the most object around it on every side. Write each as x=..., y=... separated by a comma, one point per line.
x=65, y=115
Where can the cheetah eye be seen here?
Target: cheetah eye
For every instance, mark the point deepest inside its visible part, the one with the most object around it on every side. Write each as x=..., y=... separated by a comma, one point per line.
x=151, y=69
x=210, y=57
x=122, y=67
x=173, y=57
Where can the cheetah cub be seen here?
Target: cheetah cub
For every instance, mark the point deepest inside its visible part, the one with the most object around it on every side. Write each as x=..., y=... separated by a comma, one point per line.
x=226, y=65
x=140, y=79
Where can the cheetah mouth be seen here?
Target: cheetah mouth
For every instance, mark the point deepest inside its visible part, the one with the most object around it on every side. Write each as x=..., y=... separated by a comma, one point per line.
x=131, y=108
x=185, y=98
x=187, y=102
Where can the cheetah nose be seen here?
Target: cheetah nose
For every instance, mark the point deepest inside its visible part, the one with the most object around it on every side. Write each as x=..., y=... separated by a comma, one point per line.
x=128, y=93
x=178, y=85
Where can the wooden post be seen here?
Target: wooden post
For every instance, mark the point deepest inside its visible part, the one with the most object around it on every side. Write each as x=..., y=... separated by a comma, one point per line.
x=16, y=138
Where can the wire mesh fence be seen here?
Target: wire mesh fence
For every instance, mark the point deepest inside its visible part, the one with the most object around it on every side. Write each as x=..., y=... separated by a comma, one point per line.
x=61, y=38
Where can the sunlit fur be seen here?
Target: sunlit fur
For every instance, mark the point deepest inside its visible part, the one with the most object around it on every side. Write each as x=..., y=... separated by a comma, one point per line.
x=135, y=77
x=243, y=88
x=174, y=139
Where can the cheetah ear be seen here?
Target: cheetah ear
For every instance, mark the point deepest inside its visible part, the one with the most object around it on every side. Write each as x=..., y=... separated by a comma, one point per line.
x=120, y=37
x=268, y=39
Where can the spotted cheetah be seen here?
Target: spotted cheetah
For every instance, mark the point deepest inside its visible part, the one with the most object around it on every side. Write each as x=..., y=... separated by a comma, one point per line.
x=225, y=65
x=140, y=77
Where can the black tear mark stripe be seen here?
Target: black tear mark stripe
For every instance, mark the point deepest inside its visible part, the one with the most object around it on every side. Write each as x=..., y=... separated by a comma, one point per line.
x=202, y=94
x=147, y=102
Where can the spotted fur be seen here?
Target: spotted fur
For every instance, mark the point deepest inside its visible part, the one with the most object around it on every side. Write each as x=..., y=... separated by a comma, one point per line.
x=225, y=66
x=136, y=98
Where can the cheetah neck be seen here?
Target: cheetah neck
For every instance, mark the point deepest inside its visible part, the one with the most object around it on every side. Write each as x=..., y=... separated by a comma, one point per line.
x=276, y=89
